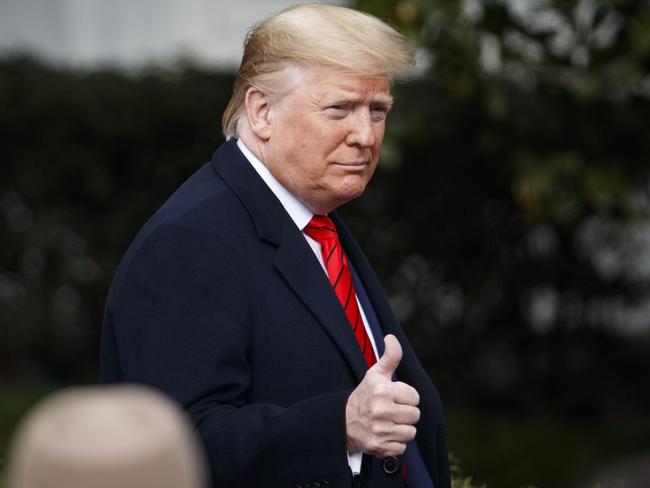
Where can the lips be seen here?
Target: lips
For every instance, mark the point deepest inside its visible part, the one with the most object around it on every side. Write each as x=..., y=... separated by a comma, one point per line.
x=353, y=163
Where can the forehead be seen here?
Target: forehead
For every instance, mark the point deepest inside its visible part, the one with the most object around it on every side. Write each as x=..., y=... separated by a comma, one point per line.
x=325, y=83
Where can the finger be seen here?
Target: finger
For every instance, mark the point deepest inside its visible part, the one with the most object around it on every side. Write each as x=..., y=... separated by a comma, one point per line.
x=386, y=431
x=401, y=434
x=391, y=358
x=404, y=394
x=405, y=415
x=387, y=449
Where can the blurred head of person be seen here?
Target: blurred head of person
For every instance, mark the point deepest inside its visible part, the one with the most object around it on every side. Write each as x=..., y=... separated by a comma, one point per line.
x=106, y=437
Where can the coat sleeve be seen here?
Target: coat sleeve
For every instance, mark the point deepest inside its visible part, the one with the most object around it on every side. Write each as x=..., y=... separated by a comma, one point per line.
x=178, y=318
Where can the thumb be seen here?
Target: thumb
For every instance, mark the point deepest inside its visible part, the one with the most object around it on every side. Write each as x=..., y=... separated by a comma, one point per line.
x=391, y=358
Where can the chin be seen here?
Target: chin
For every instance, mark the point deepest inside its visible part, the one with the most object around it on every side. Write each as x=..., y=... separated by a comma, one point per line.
x=342, y=192
x=350, y=194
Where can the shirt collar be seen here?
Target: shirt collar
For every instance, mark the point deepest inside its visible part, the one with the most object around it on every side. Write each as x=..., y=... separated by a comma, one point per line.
x=298, y=211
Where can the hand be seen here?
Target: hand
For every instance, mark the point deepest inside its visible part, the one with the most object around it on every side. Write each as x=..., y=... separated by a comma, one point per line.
x=381, y=414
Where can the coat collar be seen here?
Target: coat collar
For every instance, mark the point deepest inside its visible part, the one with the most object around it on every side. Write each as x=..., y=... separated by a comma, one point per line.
x=265, y=211
x=294, y=259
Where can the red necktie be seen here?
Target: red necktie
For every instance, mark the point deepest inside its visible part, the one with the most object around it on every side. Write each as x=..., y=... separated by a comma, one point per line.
x=322, y=230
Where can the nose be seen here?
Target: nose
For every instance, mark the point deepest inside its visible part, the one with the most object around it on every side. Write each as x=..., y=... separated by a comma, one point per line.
x=361, y=132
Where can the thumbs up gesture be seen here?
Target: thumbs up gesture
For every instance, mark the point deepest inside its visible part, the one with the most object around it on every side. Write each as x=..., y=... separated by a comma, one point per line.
x=381, y=414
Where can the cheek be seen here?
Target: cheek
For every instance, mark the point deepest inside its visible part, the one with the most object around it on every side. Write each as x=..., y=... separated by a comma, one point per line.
x=379, y=135
x=323, y=147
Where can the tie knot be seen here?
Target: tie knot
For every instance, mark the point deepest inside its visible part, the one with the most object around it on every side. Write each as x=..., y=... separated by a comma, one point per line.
x=321, y=228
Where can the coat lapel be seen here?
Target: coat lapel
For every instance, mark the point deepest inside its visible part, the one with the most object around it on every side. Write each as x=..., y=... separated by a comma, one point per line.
x=301, y=270
x=294, y=259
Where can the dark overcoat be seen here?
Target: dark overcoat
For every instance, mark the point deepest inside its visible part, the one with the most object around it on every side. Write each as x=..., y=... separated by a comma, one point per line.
x=221, y=303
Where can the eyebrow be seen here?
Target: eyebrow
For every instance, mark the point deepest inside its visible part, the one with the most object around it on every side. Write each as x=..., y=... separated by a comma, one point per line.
x=384, y=99
x=354, y=98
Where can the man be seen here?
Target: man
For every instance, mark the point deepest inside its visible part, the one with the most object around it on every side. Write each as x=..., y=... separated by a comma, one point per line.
x=246, y=298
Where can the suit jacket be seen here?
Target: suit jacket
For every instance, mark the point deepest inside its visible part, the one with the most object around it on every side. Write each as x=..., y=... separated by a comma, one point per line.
x=220, y=303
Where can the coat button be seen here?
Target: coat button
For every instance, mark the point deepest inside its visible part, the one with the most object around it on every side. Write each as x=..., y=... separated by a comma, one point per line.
x=390, y=465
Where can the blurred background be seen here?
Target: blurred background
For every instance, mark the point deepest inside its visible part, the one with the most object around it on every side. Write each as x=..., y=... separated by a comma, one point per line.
x=508, y=220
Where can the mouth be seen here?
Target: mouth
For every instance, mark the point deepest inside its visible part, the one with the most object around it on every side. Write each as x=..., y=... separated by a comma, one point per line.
x=353, y=165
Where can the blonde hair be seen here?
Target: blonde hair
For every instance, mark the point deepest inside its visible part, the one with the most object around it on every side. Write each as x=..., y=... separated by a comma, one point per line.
x=313, y=35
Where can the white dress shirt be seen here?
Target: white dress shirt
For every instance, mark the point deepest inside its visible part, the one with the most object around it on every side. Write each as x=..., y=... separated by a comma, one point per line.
x=301, y=215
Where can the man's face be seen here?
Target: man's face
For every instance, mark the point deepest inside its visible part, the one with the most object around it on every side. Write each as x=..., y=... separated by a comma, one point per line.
x=326, y=135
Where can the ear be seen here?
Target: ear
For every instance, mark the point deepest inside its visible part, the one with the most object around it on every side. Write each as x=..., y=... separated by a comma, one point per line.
x=258, y=113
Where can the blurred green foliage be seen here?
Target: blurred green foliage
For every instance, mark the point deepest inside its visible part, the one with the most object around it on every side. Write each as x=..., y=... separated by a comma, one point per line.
x=17, y=400
x=507, y=452
x=87, y=156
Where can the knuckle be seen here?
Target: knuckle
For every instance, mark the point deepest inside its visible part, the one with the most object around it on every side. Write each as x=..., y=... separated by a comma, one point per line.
x=381, y=389
x=416, y=396
x=395, y=448
x=376, y=429
x=411, y=432
x=400, y=448
x=378, y=410
x=384, y=450
x=374, y=446
x=416, y=415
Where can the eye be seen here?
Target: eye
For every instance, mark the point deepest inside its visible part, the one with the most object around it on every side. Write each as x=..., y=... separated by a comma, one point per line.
x=378, y=112
x=338, y=110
